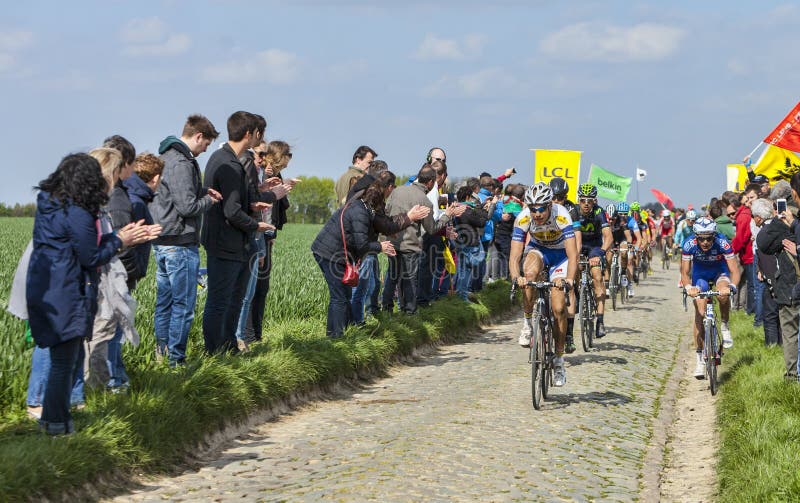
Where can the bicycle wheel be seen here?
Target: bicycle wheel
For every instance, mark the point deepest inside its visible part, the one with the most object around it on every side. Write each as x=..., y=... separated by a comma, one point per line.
x=537, y=362
x=711, y=358
x=547, y=358
x=592, y=317
x=623, y=292
x=585, y=318
x=613, y=285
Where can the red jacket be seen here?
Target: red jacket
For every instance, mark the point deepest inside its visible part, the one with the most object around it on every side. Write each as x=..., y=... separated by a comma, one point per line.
x=742, y=243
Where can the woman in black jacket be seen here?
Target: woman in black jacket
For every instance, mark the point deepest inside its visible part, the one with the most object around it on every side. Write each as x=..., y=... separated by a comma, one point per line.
x=468, y=243
x=354, y=223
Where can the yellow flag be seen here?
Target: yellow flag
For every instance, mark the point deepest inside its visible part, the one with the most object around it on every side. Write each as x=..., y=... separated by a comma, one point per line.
x=566, y=164
x=737, y=177
x=777, y=164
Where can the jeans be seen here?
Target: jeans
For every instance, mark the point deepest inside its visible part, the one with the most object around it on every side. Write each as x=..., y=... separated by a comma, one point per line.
x=40, y=370
x=254, y=270
x=758, y=293
x=227, y=281
x=64, y=364
x=498, y=263
x=116, y=368
x=751, y=294
x=477, y=281
x=772, y=322
x=466, y=270
x=367, y=279
x=176, y=284
x=339, y=309
x=402, y=270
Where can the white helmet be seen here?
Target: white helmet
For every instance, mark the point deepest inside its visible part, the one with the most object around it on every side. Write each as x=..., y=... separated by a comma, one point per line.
x=704, y=225
x=665, y=213
x=691, y=215
x=539, y=193
x=611, y=209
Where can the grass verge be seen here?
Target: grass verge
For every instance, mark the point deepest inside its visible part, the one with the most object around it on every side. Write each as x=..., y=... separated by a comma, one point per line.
x=168, y=412
x=759, y=418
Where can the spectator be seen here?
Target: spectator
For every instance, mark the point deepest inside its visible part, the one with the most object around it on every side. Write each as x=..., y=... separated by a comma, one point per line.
x=178, y=206
x=717, y=212
x=350, y=227
x=431, y=260
x=403, y=267
x=141, y=187
x=762, y=215
x=226, y=232
x=67, y=250
x=742, y=243
x=511, y=207
x=471, y=254
x=362, y=158
x=263, y=166
x=778, y=238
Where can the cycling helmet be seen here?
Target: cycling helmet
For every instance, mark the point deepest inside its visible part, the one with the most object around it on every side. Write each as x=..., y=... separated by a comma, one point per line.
x=704, y=225
x=644, y=215
x=587, y=190
x=623, y=208
x=539, y=194
x=665, y=213
x=691, y=215
x=559, y=186
x=635, y=206
x=611, y=210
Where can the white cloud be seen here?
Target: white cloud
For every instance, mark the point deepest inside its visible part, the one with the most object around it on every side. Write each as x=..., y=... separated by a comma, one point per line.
x=608, y=43
x=11, y=43
x=272, y=66
x=434, y=48
x=488, y=82
x=152, y=37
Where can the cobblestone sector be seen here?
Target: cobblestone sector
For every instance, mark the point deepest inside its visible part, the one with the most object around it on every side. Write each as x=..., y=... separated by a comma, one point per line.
x=459, y=425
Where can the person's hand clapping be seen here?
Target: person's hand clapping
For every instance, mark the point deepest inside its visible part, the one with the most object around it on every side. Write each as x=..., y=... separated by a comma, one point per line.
x=260, y=206
x=388, y=248
x=455, y=210
x=137, y=233
x=215, y=196
x=264, y=227
x=418, y=212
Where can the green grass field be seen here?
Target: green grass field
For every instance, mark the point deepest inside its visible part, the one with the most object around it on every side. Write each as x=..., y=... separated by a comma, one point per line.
x=297, y=294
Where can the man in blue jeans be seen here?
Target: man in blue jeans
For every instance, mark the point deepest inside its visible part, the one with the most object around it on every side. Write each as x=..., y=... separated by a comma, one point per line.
x=178, y=207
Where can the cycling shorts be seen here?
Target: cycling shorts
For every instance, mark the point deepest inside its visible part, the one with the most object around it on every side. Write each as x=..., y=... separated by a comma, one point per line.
x=555, y=260
x=710, y=274
x=592, y=251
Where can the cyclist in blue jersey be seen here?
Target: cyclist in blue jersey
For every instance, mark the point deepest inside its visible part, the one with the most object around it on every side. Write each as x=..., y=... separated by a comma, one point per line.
x=708, y=259
x=684, y=229
x=550, y=250
x=596, y=239
x=625, y=232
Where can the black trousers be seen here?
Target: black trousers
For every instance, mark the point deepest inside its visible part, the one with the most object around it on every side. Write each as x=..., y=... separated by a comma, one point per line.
x=402, y=272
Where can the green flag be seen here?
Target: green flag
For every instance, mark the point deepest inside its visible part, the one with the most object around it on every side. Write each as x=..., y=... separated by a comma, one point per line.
x=609, y=185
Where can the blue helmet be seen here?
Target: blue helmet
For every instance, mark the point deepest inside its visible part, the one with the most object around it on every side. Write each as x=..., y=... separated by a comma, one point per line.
x=623, y=208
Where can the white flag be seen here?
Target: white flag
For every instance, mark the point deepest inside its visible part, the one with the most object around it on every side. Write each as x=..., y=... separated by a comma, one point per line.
x=640, y=174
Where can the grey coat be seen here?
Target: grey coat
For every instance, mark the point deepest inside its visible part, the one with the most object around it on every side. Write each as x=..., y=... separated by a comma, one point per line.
x=403, y=199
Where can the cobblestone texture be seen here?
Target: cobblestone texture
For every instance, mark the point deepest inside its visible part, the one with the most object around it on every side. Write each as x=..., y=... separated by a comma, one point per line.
x=459, y=425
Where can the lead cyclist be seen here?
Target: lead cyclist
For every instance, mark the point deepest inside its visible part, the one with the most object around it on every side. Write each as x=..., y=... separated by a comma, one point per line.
x=551, y=249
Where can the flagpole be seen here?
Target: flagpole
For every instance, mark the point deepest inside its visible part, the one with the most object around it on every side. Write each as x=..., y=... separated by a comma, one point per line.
x=754, y=150
x=636, y=175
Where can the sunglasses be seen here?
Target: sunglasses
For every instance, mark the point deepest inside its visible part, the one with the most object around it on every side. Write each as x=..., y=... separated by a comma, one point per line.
x=586, y=200
x=705, y=239
x=540, y=209
x=261, y=154
x=732, y=214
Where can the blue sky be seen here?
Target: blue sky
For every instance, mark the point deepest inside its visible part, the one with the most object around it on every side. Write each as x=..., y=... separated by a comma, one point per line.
x=679, y=88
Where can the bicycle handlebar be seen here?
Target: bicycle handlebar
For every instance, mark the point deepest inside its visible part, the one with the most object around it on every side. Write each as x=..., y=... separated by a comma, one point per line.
x=543, y=284
x=701, y=295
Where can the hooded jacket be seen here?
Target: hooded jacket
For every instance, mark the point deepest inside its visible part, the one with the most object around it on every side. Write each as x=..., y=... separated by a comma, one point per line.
x=136, y=259
x=775, y=263
x=357, y=220
x=181, y=201
x=725, y=226
x=61, y=287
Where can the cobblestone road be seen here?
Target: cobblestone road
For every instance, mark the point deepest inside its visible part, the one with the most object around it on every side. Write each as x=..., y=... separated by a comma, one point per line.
x=459, y=425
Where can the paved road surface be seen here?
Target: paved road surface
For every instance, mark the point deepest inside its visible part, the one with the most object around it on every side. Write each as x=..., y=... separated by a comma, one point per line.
x=459, y=425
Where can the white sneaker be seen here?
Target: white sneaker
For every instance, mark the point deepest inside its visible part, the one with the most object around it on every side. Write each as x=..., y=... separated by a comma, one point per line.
x=630, y=291
x=700, y=368
x=560, y=373
x=727, y=340
x=525, y=335
x=608, y=292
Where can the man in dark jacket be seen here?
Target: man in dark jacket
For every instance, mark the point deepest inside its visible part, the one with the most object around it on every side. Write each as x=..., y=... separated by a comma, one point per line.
x=226, y=232
x=178, y=205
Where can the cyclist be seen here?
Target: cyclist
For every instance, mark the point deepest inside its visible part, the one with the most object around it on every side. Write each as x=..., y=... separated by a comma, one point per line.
x=624, y=232
x=708, y=258
x=684, y=229
x=551, y=249
x=596, y=239
x=560, y=190
x=651, y=234
x=666, y=228
x=641, y=242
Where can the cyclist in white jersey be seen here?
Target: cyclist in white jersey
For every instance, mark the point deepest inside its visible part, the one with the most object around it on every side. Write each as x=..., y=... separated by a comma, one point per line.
x=550, y=250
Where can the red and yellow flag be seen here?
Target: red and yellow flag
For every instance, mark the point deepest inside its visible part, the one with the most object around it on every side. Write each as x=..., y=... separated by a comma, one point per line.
x=787, y=133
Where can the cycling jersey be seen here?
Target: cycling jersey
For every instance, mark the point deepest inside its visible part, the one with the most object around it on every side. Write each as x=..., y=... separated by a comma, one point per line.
x=618, y=226
x=548, y=239
x=708, y=265
x=666, y=224
x=592, y=226
x=574, y=213
x=683, y=233
x=550, y=234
